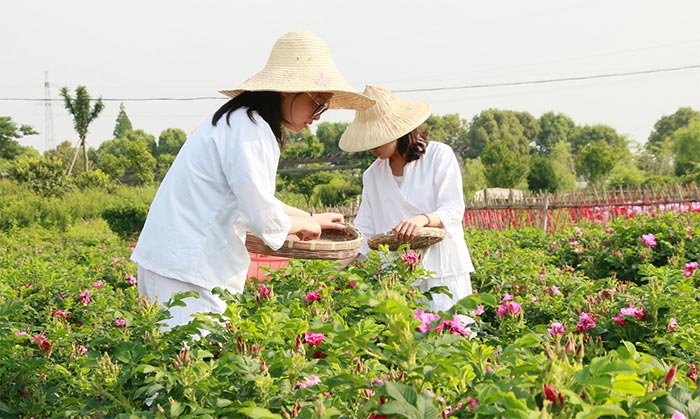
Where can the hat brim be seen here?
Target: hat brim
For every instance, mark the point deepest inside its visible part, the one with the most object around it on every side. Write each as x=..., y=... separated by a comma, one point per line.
x=341, y=99
x=363, y=135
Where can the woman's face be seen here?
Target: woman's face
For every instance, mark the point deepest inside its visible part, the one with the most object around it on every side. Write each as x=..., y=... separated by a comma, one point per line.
x=384, y=151
x=300, y=110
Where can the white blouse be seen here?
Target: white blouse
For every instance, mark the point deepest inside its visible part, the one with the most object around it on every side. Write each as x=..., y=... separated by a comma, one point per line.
x=431, y=184
x=221, y=185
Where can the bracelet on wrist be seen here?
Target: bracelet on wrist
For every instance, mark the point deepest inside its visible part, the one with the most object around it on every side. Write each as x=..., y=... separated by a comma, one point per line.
x=428, y=218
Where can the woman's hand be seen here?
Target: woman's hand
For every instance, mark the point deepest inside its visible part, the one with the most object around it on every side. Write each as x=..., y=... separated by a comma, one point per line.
x=406, y=229
x=306, y=228
x=330, y=220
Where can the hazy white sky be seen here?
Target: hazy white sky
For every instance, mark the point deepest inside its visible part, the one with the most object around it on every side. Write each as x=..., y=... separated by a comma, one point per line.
x=145, y=49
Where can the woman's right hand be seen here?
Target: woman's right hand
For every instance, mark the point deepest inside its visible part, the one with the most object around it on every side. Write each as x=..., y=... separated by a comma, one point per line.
x=306, y=228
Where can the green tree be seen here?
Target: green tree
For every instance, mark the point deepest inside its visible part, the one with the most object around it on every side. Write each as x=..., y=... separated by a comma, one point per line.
x=595, y=161
x=554, y=127
x=44, y=175
x=504, y=167
x=591, y=134
x=170, y=141
x=114, y=156
x=564, y=166
x=305, y=144
x=123, y=124
x=686, y=147
x=83, y=115
x=542, y=175
x=531, y=127
x=495, y=125
x=139, y=161
x=328, y=134
x=473, y=177
x=668, y=124
x=9, y=133
x=449, y=129
x=305, y=183
x=65, y=153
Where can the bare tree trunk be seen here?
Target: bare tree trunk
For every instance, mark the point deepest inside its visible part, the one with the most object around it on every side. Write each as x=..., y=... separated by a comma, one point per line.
x=85, y=154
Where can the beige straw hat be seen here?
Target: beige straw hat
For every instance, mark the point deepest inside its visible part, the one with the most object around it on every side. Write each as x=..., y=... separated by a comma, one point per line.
x=389, y=119
x=302, y=62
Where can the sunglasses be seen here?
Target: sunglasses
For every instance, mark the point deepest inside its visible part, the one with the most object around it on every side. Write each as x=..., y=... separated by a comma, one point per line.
x=320, y=107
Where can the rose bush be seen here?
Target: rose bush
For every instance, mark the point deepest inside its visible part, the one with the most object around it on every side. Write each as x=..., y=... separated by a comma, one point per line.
x=592, y=322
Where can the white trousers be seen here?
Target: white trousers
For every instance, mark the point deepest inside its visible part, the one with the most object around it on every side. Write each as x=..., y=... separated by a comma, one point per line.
x=158, y=288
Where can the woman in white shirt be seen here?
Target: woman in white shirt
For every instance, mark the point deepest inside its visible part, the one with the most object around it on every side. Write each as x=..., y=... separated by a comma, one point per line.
x=412, y=184
x=222, y=182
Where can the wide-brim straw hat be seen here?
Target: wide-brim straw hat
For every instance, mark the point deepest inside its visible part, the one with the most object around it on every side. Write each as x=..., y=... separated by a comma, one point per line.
x=302, y=62
x=389, y=119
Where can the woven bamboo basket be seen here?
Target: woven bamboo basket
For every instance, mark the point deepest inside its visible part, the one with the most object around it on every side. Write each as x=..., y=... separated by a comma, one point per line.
x=332, y=245
x=425, y=237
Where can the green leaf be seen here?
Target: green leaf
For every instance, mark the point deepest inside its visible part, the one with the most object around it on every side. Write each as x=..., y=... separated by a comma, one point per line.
x=259, y=413
x=629, y=387
x=604, y=410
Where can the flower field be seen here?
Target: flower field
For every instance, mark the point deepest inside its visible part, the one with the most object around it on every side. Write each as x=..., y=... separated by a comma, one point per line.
x=598, y=320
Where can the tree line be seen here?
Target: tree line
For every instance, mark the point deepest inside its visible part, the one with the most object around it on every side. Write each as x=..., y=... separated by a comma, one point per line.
x=497, y=148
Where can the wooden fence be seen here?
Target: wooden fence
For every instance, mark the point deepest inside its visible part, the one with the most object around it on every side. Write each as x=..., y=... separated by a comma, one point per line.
x=552, y=212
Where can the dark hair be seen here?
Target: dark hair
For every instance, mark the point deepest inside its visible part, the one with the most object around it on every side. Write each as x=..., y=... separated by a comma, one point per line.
x=267, y=104
x=412, y=145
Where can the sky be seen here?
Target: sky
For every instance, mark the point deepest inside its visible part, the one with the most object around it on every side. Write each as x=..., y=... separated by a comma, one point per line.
x=460, y=56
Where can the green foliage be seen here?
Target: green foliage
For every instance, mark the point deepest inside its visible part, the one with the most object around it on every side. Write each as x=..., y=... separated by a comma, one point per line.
x=449, y=129
x=588, y=135
x=504, y=167
x=686, y=148
x=170, y=141
x=64, y=356
x=542, y=176
x=625, y=175
x=668, y=124
x=495, y=125
x=10, y=148
x=94, y=179
x=328, y=134
x=123, y=124
x=129, y=156
x=595, y=161
x=554, y=129
x=44, y=175
x=79, y=107
x=473, y=177
x=126, y=219
x=338, y=191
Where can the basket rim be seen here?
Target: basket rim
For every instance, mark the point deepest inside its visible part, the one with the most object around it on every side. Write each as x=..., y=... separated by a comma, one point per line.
x=436, y=233
x=310, y=249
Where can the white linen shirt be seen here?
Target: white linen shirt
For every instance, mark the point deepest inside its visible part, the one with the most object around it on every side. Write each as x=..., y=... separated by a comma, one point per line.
x=431, y=184
x=221, y=185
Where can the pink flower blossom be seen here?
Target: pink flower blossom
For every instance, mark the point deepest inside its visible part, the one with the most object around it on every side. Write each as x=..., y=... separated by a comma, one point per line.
x=130, y=278
x=479, y=310
x=649, y=240
x=509, y=308
x=507, y=297
x=98, y=284
x=411, y=258
x=425, y=319
x=554, y=290
x=557, y=329
x=585, y=322
x=85, y=297
x=115, y=260
x=678, y=415
x=454, y=326
x=120, y=322
x=689, y=268
x=313, y=339
x=672, y=324
x=309, y=381
x=693, y=374
x=263, y=291
x=20, y=334
x=352, y=284
x=473, y=403
x=312, y=296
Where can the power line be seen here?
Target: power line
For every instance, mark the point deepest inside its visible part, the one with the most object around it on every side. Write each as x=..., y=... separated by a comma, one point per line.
x=427, y=89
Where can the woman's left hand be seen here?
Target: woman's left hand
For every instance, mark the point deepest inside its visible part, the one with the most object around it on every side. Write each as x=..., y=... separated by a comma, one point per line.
x=330, y=220
x=406, y=229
